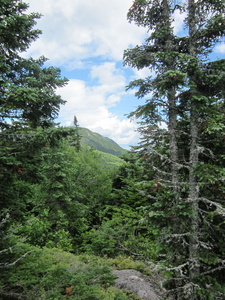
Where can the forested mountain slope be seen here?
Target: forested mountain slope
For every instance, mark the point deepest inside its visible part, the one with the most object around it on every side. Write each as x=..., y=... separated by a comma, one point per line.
x=100, y=143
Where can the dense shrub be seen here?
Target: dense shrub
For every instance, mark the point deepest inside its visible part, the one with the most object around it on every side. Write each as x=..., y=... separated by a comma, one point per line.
x=51, y=273
x=120, y=233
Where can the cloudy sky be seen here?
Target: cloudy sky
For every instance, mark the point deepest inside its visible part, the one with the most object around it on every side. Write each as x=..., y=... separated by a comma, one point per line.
x=86, y=40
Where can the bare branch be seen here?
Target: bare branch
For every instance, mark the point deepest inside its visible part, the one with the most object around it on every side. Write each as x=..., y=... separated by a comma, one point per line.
x=144, y=194
x=7, y=265
x=219, y=208
x=128, y=250
x=179, y=269
x=167, y=159
x=219, y=268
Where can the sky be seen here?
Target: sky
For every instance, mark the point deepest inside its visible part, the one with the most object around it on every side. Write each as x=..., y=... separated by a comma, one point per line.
x=86, y=39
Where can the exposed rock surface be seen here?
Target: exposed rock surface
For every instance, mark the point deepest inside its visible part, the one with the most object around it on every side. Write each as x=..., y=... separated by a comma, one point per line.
x=139, y=284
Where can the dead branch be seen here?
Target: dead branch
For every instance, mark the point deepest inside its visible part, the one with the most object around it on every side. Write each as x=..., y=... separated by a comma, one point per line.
x=219, y=208
x=7, y=265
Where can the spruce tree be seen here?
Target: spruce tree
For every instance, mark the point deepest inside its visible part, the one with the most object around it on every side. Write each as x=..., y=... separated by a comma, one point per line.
x=185, y=91
x=27, y=90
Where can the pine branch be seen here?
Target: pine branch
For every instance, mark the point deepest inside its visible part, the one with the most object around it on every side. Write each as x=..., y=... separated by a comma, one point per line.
x=170, y=238
x=161, y=171
x=186, y=290
x=219, y=208
x=179, y=269
x=123, y=248
x=205, y=245
x=7, y=265
x=144, y=194
x=6, y=250
x=11, y=295
x=167, y=159
x=177, y=183
x=219, y=268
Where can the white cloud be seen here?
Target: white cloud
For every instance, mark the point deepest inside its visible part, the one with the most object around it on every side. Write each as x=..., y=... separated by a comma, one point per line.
x=107, y=74
x=220, y=48
x=83, y=29
x=178, y=22
x=143, y=73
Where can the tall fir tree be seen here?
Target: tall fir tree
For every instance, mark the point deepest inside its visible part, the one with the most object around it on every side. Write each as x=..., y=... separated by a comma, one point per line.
x=27, y=91
x=184, y=92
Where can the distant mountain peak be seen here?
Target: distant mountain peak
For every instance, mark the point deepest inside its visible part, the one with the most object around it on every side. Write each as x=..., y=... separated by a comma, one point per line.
x=99, y=142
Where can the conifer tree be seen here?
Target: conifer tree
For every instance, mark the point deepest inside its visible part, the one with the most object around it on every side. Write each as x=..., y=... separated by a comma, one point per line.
x=184, y=92
x=28, y=107
x=27, y=91
x=77, y=136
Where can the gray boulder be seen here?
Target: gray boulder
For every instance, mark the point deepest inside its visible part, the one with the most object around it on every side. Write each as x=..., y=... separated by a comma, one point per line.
x=139, y=284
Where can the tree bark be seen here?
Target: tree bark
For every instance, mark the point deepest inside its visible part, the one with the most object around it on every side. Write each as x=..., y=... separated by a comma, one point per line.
x=193, y=158
x=172, y=127
x=193, y=198
x=173, y=144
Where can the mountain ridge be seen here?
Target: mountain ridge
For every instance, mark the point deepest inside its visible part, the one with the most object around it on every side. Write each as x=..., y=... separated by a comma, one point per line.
x=99, y=142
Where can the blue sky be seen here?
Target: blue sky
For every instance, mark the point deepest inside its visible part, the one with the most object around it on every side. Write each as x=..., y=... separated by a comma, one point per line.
x=86, y=40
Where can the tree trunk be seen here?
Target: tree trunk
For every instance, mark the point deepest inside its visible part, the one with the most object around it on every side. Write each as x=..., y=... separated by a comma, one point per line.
x=193, y=198
x=172, y=127
x=193, y=159
x=173, y=146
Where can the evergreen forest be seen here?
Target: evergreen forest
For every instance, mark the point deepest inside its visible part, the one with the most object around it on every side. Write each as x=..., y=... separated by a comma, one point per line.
x=69, y=213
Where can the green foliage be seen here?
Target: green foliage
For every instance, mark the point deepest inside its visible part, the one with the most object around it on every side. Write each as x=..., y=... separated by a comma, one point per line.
x=21, y=159
x=128, y=182
x=110, y=161
x=66, y=198
x=124, y=263
x=92, y=181
x=52, y=190
x=119, y=262
x=51, y=273
x=54, y=274
x=43, y=231
x=120, y=233
x=13, y=37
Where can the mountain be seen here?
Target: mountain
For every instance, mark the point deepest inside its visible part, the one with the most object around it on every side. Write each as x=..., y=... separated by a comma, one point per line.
x=100, y=143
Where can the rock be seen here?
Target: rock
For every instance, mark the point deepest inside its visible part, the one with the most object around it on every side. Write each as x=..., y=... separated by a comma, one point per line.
x=138, y=283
